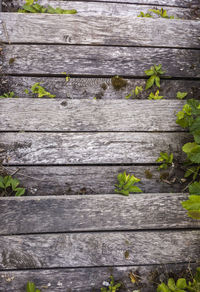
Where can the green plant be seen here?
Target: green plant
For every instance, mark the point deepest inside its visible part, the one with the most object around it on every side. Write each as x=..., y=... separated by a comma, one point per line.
x=10, y=185
x=161, y=13
x=142, y=14
x=154, y=72
x=31, y=6
x=39, y=90
x=67, y=77
x=166, y=159
x=126, y=185
x=189, y=117
x=181, y=95
x=8, y=95
x=135, y=92
x=111, y=286
x=181, y=285
x=155, y=96
x=30, y=287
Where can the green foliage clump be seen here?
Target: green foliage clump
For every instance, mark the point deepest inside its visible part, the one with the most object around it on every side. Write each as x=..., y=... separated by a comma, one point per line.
x=112, y=286
x=161, y=13
x=135, y=92
x=181, y=95
x=154, y=72
x=126, y=184
x=31, y=6
x=39, y=90
x=181, y=285
x=30, y=287
x=10, y=94
x=155, y=96
x=166, y=159
x=10, y=186
x=118, y=82
x=189, y=117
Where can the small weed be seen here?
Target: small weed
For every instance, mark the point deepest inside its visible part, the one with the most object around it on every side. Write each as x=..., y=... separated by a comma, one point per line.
x=161, y=13
x=166, y=159
x=181, y=285
x=148, y=174
x=10, y=185
x=181, y=95
x=126, y=185
x=155, y=96
x=135, y=92
x=10, y=94
x=39, y=91
x=30, y=287
x=111, y=286
x=67, y=77
x=154, y=72
x=31, y=6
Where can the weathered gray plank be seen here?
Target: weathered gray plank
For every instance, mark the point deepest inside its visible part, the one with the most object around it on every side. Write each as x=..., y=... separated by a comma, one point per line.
x=99, y=30
x=98, y=249
x=91, y=279
x=176, y=3
x=93, y=213
x=66, y=180
x=98, y=60
x=105, y=9
x=83, y=115
x=101, y=88
x=88, y=148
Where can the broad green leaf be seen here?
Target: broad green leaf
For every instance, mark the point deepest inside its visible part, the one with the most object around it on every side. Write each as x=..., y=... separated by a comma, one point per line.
x=194, y=188
x=150, y=82
x=30, y=287
x=181, y=283
x=149, y=72
x=19, y=192
x=171, y=284
x=135, y=189
x=188, y=147
x=14, y=184
x=181, y=95
x=163, y=288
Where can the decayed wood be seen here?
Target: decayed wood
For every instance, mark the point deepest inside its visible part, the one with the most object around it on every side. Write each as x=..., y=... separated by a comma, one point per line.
x=176, y=3
x=93, y=115
x=98, y=60
x=101, y=88
x=88, y=148
x=99, y=30
x=105, y=9
x=98, y=249
x=91, y=279
x=93, y=213
x=66, y=180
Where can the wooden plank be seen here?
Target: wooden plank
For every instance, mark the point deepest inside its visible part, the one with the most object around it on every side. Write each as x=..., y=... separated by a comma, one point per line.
x=91, y=279
x=101, y=88
x=95, y=60
x=92, y=213
x=99, y=30
x=93, y=115
x=98, y=249
x=105, y=9
x=66, y=180
x=171, y=3
x=88, y=148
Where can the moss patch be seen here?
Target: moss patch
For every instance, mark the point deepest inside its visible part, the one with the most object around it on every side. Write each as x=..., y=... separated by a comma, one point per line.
x=148, y=174
x=118, y=82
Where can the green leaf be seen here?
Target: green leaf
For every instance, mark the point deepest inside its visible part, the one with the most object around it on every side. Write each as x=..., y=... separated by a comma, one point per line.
x=171, y=284
x=14, y=184
x=150, y=82
x=163, y=288
x=149, y=72
x=30, y=287
x=194, y=188
x=188, y=147
x=181, y=95
x=2, y=186
x=181, y=283
x=19, y=192
x=157, y=81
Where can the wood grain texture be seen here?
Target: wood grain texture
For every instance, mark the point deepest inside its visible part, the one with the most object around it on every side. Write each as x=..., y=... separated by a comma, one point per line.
x=105, y=9
x=99, y=30
x=101, y=88
x=93, y=213
x=175, y=3
x=91, y=279
x=98, y=60
x=88, y=148
x=93, y=115
x=98, y=249
x=73, y=180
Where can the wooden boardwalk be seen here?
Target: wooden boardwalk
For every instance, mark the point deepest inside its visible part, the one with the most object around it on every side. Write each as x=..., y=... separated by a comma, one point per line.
x=71, y=232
